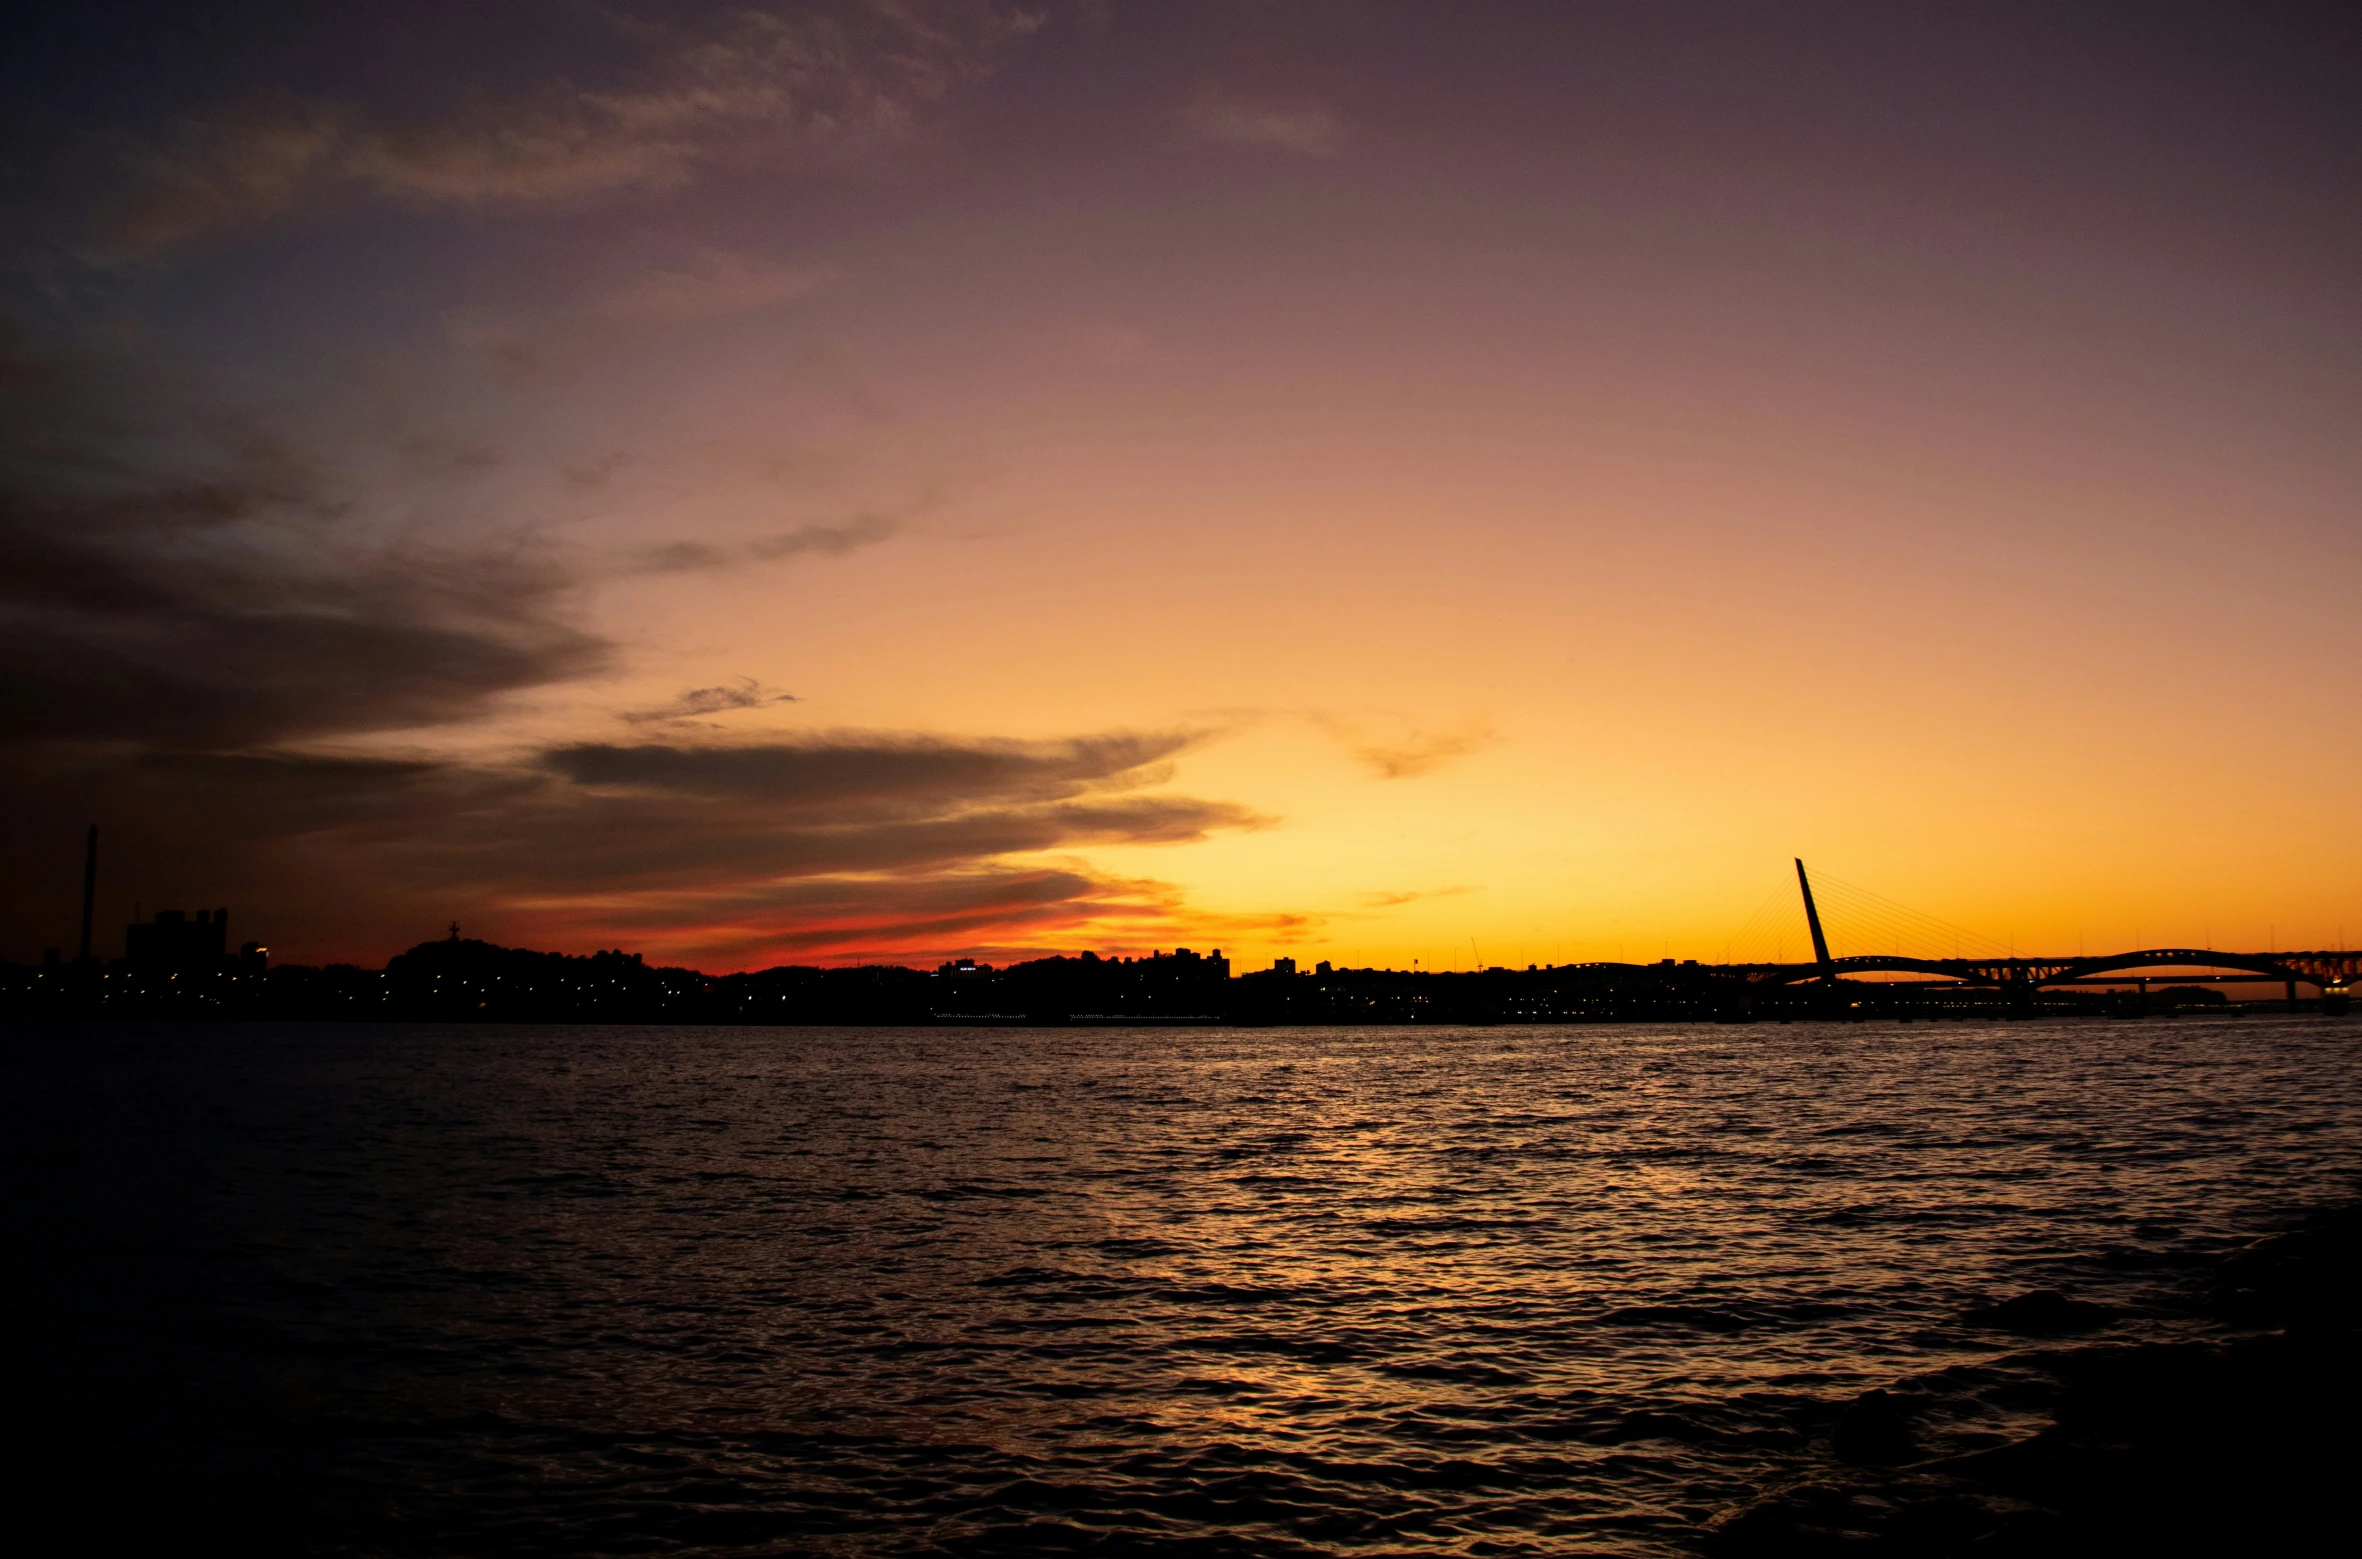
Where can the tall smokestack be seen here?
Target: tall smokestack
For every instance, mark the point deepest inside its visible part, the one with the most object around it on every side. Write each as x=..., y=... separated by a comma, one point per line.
x=89, y=887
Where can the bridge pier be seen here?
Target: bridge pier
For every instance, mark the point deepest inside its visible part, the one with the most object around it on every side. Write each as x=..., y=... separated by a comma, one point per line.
x=2292, y=996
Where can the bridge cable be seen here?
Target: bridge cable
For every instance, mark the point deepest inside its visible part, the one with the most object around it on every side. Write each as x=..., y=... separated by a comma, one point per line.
x=1778, y=919
x=1874, y=924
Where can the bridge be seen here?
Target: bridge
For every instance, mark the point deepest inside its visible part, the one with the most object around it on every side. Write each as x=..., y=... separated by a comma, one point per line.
x=2331, y=973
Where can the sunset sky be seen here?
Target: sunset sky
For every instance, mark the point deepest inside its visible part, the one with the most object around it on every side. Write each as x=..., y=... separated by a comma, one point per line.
x=765, y=484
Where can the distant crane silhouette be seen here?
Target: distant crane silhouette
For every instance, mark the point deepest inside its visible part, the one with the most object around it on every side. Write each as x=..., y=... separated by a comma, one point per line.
x=89, y=889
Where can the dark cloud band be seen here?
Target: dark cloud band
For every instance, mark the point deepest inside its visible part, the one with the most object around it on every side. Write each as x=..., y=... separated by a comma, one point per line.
x=737, y=854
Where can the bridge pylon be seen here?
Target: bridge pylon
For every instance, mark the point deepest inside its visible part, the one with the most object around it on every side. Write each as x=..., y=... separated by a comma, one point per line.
x=1812, y=920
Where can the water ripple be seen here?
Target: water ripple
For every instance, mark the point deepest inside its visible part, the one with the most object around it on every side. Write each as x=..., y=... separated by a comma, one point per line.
x=638, y=1290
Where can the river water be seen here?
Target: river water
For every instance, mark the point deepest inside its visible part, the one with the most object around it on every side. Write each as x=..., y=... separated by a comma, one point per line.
x=493, y=1290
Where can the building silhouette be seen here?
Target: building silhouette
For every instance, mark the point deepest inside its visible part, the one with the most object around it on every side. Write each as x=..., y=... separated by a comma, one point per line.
x=175, y=941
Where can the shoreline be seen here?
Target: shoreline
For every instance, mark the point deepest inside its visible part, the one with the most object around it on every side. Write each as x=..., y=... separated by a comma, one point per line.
x=2243, y=1440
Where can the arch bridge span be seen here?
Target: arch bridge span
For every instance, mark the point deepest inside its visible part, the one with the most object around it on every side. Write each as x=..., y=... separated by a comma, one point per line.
x=2328, y=971
x=2333, y=973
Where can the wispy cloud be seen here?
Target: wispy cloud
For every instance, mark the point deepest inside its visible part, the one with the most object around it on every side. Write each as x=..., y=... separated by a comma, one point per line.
x=691, y=703
x=1408, y=756
x=714, y=285
x=1383, y=900
x=831, y=541
x=1420, y=755
x=1307, y=130
x=806, y=80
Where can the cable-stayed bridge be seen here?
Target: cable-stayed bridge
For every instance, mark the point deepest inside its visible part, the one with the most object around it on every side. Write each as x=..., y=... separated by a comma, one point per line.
x=2332, y=973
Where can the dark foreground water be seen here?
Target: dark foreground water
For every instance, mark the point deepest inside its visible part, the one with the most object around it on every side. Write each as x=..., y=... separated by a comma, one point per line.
x=464, y=1291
